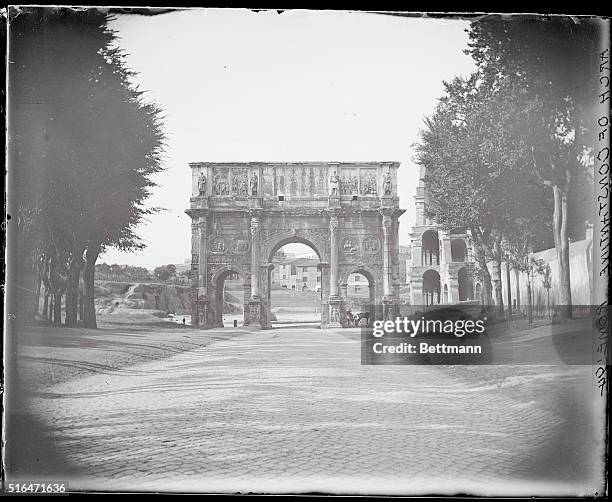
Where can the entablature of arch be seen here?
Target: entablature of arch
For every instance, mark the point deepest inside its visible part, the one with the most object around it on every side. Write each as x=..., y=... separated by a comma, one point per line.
x=341, y=212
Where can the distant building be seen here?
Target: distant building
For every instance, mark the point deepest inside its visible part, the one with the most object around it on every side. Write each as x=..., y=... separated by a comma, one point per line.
x=441, y=263
x=440, y=267
x=299, y=274
x=404, y=257
x=183, y=267
x=357, y=285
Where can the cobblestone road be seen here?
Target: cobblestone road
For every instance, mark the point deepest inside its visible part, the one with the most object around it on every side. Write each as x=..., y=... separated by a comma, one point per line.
x=292, y=410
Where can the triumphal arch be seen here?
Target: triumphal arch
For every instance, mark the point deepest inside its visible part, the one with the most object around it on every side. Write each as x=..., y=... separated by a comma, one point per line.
x=243, y=213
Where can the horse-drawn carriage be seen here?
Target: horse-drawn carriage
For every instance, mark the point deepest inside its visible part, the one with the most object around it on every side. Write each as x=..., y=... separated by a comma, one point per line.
x=361, y=319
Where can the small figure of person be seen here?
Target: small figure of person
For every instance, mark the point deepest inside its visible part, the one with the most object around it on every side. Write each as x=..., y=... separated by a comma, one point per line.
x=244, y=188
x=184, y=321
x=202, y=184
x=334, y=185
x=387, y=187
x=254, y=183
x=349, y=318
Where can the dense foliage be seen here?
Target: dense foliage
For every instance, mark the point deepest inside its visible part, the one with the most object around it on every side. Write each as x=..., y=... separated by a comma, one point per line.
x=506, y=149
x=83, y=147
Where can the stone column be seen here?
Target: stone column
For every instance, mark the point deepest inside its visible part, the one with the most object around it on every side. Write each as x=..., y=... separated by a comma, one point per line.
x=255, y=301
x=195, y=270
x=203, y=301
x=387, y=265
x=417, y=251
x=416, y=291
x=333, y=262
x=265, y=316
x=453, y=290
x=324, y=267
x=389, y=301
x=254, y=255
x=203, y=255
x=246, y=297
x=395, y=259
x=335, y=301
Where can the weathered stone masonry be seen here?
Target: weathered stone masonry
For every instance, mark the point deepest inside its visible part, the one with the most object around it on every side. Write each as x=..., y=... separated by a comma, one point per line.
x=242, y=213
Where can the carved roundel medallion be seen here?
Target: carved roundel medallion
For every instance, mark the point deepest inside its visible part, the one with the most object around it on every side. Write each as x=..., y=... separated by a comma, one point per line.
x=217, y=246
x=350, y=246
x=371, y=245
x=241, y=246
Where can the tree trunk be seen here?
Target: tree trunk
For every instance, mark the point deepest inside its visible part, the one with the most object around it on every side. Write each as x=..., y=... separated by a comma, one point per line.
x=72, y=292
x=45, y=278
x=81, y=314
x=529, y=302
x=484, y=270
x=45, y=310
x=562, y=248
x=57, y=307
x=51, y=310
x=38, y=290
x=89, y=308
x=496, y=277
x=73, y=280
x=517, y=276
x=57, y=280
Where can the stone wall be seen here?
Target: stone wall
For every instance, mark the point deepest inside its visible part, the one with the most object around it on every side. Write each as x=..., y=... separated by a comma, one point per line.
x=581, y=276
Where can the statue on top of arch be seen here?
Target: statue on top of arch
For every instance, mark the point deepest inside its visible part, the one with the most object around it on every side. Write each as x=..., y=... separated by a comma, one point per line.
x=202, y=184
x=387, y=186
x=334, y=185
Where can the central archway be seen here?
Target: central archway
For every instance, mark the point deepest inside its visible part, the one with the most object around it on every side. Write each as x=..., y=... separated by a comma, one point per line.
x=294, y=283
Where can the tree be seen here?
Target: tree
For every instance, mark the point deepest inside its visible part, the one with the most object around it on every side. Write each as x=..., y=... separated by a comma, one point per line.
x=171, y=269
x=544, y=68
x=475, y=177
x=518, y=245
x=87, y=179
x=164, y=272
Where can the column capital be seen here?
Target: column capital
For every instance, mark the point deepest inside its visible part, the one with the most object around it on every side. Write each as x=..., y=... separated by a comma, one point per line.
x=334, y=214
x=387, y=212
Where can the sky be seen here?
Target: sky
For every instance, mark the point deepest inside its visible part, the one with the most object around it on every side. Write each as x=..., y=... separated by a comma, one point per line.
x=238, y=85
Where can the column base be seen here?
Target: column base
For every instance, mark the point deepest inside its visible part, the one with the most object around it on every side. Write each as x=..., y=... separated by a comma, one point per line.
x=337, y=313
x=257, y=314
x=200, y=312
x=194, y=306
x=390, y=307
